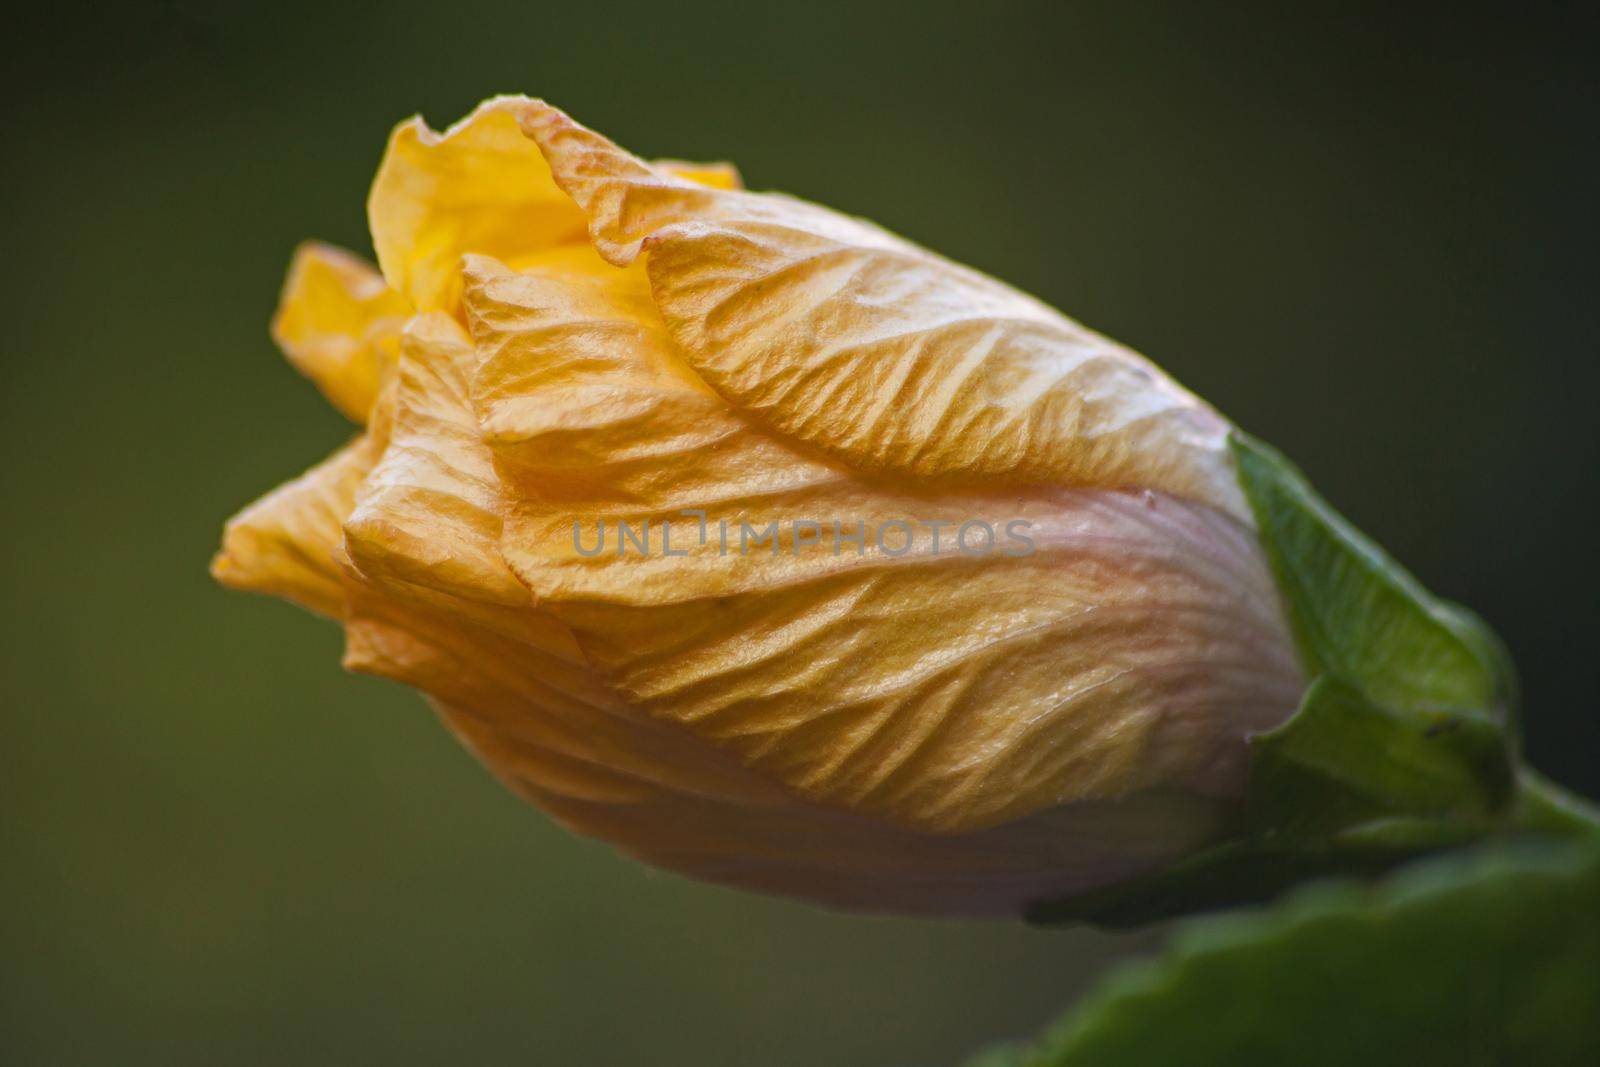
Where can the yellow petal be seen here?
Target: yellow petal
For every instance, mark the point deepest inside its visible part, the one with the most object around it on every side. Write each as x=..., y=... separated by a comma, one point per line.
x=284, y=543
x=434, y=606
x=478, y=187
x=895, y=360
x=339, y=324
x=1133, y=649
x=719, y=175
x=427, y=516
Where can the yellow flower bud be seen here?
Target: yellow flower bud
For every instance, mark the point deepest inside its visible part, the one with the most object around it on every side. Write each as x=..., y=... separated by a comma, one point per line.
x=764, y=544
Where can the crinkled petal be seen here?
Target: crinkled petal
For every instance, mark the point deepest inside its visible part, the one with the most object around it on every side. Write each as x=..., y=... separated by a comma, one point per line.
x=478, y=187
x=434, y=606
x=848, y=860
x=284, y=543
x=427, y=517
x=659, y=794
x=849, y=339
x=1133, y=648
x=339, y=323
x=587, y=743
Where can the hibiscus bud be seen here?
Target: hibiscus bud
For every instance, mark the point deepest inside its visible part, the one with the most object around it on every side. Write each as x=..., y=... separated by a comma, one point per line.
x=766, y=545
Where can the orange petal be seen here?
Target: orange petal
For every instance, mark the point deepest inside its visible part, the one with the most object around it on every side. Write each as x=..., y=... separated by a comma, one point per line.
x=854, y=341
x=284, y=543
x=431, y=605
x=427, y=517
x=1134, y=648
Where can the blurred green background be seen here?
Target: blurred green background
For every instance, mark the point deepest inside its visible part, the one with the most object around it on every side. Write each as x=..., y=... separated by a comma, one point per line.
x=1367, y=236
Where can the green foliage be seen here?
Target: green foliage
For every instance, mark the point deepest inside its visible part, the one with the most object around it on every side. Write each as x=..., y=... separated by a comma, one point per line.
x=1358, y=615
x=1484, y=958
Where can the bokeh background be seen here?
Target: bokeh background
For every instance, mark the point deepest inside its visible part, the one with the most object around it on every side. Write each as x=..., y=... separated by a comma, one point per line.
x=1368, y=235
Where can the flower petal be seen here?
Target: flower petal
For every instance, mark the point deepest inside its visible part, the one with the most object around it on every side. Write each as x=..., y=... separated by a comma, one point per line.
x=478, y=187
x=284, y=543
x=854, y=341
x=339, y=324
x=434, y=606
x=834, y=857
x=427, y=517
x=660, y=795
x=1134, y=648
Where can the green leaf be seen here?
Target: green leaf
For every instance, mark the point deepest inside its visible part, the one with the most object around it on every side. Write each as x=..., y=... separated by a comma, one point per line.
x=1358, y=615
x=1487, y=958
x=1403, y=741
